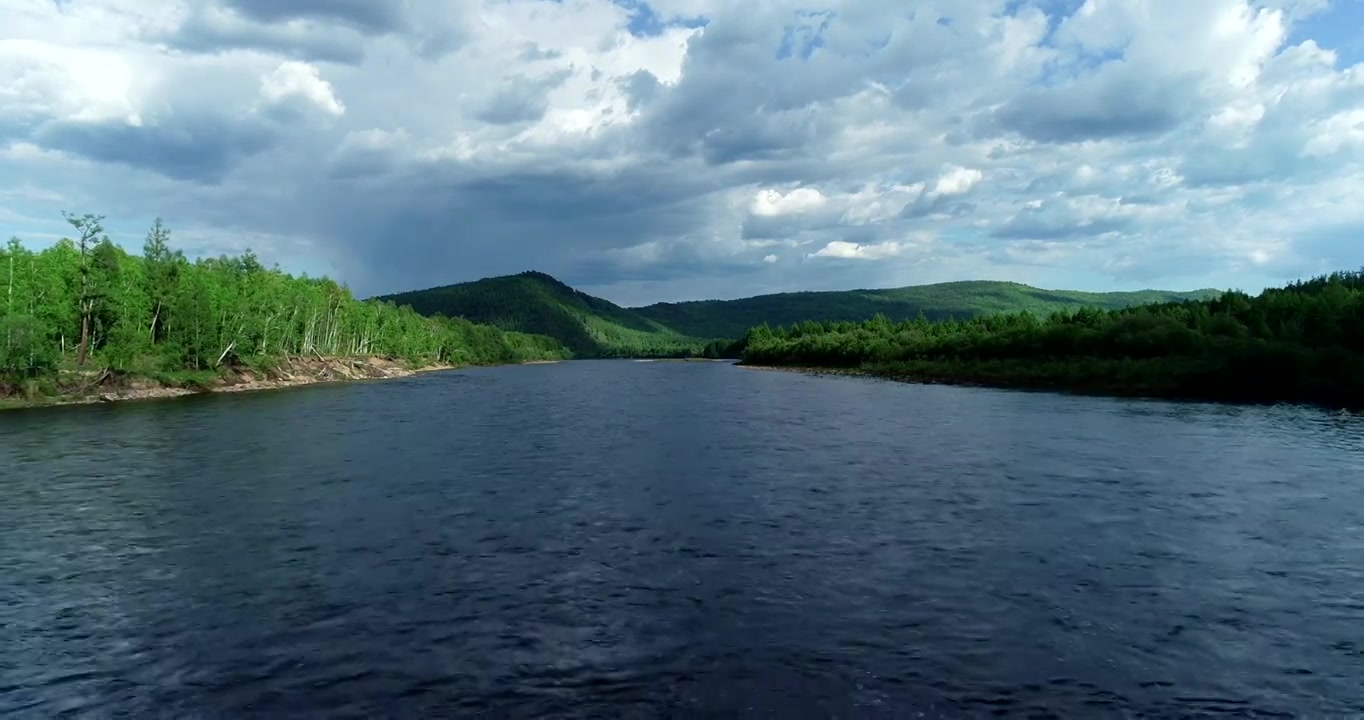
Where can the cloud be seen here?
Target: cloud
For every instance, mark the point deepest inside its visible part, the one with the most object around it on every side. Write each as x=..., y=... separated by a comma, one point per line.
x=1132, y=74
x=196, y=149
x=366, y=15
x=957, y=180
x=1060, y=218
x=206, y=28
x=46, y=80
x=853, y=251
x=295, y=84
x=679, y=148
x=339, y=31
x=942, y=197
x=771, y=203
x=520, y=99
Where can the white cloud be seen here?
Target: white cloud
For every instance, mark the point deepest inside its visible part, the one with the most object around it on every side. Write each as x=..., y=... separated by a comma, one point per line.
x=855, y=251
x=957, y=180
x=770, y=203
x=1337, y=133
x=46, y=80
x=295, y=80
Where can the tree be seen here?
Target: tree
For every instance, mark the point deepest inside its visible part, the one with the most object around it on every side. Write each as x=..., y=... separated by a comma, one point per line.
x=91, y=230
x=161, y=274
x=11, y=255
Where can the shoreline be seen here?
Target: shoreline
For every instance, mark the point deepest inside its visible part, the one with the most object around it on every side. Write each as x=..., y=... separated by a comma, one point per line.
x=1015, y=386
x=289, y=373
x=1021, y=383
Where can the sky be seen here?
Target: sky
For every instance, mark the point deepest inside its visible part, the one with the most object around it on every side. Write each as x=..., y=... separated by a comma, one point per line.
x=665, y=150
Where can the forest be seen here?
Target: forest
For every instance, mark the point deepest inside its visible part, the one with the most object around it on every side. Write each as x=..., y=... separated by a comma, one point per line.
x=1300, y=343
x=939, y=301
x=86, y=305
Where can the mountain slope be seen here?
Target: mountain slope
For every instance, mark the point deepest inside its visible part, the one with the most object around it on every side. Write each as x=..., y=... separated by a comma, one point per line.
x=533, y=302
x=732, y=318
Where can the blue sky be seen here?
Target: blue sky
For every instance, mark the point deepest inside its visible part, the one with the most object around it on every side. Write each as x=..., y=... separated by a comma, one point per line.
x=1339, y=27
x=683, y=149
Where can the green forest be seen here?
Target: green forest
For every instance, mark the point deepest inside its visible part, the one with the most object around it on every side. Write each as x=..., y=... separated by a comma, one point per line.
x=86, y=308
x=534, y=302
x=940, y=301
x=1300, y=343
x=85, y=305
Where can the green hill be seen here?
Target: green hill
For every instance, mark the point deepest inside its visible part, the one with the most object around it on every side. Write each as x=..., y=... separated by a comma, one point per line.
x=533, y=302
x=536, y=303
x=732, y=318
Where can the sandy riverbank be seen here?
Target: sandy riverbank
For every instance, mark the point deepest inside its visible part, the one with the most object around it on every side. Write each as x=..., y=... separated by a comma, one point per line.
x=291, y=372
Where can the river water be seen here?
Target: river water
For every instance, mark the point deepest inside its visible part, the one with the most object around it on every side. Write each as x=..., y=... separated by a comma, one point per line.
x=614, y=538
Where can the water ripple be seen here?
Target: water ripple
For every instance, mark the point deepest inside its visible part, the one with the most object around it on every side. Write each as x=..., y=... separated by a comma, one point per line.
x=642, y=539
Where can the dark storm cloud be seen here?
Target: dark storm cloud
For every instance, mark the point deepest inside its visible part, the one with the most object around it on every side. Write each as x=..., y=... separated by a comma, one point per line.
x=674, y=261
x=198, y=149
x=551, y=196
x=318, y=30
x=641, y=88
x=370, y=16
x=721, y=124
x=453, y=227
x=520, y=99
x=203, y=34
x=759, y=137
x=732, y=102
x=1117, y=104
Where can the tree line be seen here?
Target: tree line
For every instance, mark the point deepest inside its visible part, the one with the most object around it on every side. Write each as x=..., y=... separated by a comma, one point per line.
x=1299, y=343
x=939, y=301
x=85, y=302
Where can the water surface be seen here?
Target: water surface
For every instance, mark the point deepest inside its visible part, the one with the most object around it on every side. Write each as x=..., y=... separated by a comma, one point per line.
x=613, y=539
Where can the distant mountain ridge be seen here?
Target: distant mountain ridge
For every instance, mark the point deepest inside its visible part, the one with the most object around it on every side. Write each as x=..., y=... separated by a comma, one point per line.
x=537, y=303
x=940, y=301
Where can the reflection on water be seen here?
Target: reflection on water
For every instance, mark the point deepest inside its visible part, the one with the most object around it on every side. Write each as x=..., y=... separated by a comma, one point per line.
x=607, y=538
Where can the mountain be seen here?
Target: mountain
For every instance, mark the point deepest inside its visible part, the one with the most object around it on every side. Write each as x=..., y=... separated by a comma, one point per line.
x=732, y=318
x=535, y=303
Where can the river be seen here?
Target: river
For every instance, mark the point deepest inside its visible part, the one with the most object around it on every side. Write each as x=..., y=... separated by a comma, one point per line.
x=615, y=538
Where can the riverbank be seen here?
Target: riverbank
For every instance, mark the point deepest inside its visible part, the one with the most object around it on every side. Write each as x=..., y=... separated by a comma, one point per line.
x=1155, y=378
x=102, y=386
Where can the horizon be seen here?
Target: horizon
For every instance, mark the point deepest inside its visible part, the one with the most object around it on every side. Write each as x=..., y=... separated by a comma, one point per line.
x=127, y=248
x=860, y=145
x=851, y=289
